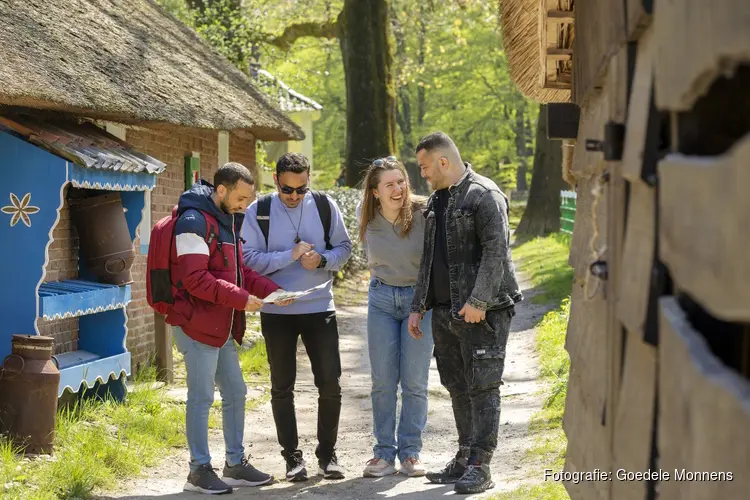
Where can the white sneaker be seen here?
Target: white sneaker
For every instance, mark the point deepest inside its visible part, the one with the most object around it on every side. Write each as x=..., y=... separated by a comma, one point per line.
x=412, y=467
x=331, y=469
x=378, y=467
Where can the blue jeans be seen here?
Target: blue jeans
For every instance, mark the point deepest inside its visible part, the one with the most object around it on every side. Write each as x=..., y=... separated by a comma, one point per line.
x=206, y=365
x=397, y=357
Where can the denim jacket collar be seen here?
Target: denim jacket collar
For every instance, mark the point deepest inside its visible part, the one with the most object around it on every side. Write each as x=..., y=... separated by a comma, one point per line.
x=463, y=180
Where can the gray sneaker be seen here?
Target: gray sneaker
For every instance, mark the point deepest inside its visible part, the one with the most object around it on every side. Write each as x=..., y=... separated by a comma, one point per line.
x=244, y=474
x=205, y=480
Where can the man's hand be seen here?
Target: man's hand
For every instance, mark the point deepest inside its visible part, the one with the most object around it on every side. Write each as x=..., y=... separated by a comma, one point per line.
x=283, y=303
x=471, y=314
x=414, y=320
x=310, y=260
x=253, y=304
x=301, y=249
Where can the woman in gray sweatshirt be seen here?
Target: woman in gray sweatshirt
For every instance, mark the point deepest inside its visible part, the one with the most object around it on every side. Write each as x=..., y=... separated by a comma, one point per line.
x=392, y=229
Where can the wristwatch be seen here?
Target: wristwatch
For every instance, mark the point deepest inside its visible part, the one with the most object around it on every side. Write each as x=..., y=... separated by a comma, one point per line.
x=323, y=262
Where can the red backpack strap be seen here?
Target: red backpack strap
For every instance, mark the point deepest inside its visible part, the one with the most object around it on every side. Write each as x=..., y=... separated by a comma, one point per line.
x=212, y=235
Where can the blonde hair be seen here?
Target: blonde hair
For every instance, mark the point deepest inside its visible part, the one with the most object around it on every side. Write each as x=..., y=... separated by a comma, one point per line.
x=412, y=203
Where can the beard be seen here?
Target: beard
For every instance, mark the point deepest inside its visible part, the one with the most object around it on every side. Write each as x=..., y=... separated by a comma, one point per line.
x=224, y=207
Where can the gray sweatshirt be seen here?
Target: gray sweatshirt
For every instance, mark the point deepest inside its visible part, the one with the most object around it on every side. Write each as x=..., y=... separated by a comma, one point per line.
x=392, y=259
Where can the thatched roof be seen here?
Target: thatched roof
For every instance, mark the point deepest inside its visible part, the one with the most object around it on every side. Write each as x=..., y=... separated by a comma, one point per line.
x=521, y=41
x=127, y=61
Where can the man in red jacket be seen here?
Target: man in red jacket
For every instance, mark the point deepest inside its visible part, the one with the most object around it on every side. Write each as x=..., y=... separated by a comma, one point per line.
x=208, y=316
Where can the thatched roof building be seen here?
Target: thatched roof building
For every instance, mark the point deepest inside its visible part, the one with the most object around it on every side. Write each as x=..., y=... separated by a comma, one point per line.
x=129, y=62
x=538, y=47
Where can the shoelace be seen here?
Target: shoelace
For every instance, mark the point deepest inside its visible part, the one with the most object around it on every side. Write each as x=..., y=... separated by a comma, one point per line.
x=472, y=471
x=373, y=461
x=211, y=471
x=450, y=465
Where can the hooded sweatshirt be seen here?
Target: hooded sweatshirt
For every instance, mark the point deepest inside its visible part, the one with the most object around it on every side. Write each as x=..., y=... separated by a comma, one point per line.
x=206, y=265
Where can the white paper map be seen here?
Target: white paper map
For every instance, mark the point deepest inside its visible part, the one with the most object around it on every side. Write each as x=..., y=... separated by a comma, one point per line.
x=287, y=294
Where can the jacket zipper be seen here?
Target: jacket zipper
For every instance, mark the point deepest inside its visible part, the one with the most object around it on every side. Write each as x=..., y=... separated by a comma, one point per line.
x=237, y=277
x=426, y=291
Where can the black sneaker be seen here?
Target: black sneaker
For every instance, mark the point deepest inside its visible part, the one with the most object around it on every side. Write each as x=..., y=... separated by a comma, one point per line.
x=244, y=474
x=476, y=479
x=295, y=467
x=451, y=473
x=205, y=480
x=330, y=469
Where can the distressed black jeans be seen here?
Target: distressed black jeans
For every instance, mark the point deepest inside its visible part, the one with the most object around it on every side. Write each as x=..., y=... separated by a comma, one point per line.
x=470, y=361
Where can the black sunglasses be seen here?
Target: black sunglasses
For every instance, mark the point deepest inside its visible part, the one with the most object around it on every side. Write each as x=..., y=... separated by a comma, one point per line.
x=289, y=190
x=381, y=161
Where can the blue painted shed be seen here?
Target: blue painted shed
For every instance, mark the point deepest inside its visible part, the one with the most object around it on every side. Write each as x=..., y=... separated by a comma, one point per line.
x=39, y=159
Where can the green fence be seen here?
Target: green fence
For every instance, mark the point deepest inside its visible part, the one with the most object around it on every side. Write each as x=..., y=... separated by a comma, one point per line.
x=567, y=211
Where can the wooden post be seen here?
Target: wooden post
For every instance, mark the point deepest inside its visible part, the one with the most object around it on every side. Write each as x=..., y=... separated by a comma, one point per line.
x=163, y=341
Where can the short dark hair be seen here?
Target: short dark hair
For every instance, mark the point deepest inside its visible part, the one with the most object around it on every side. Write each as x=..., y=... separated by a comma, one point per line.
x=229, y=174
x=435, y=140
x=292, y=162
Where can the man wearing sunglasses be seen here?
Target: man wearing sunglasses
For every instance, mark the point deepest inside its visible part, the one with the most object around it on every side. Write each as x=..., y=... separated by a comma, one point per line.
x=286, y=241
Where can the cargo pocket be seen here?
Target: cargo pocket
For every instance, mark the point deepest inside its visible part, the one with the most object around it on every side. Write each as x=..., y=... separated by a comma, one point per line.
x=487, y=367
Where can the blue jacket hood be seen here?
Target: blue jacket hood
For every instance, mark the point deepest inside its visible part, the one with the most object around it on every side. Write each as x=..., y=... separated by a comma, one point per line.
x=199, y=197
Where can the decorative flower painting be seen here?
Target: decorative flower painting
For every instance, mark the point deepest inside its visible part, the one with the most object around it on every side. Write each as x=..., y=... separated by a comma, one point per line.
x=20, y=210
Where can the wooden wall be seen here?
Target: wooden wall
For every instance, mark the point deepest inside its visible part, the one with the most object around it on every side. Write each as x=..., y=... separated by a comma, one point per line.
x=660, y=346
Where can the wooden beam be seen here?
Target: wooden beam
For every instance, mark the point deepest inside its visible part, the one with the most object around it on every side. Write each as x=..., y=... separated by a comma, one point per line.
x=560, y=16
x=560, y=54
x=557, y=85
x=163, y=341
x=703, y=237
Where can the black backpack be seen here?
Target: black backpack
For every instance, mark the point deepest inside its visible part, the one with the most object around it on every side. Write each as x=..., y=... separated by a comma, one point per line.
x=324, y=210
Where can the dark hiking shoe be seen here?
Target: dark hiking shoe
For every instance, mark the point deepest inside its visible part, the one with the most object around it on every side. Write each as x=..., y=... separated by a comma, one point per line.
x=205, y=480
x=244, y=474
x=476, y=479
x=295, y=467
x=452, y=472
x=330, y=469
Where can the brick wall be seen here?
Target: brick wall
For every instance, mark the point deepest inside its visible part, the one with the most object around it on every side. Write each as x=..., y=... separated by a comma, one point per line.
x=243, y=151
x=171, y=147
x=62, y=265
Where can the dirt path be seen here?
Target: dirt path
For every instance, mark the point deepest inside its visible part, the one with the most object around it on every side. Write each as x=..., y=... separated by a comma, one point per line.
x=520, y=400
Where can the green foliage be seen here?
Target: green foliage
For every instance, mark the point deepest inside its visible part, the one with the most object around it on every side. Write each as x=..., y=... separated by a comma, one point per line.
x=450, y=68
x=347, y=200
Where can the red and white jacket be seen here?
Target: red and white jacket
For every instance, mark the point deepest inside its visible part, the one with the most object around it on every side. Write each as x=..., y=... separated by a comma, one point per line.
x=206, y=264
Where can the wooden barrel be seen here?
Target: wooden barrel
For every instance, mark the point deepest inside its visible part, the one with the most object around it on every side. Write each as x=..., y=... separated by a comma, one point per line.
x=104, y=239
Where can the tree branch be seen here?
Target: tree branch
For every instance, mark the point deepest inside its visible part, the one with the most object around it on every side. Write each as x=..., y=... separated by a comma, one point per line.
x=326, y=29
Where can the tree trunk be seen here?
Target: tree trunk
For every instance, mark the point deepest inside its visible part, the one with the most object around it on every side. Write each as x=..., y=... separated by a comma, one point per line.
x=404, y=115
x=542, y=214
x=370, y=93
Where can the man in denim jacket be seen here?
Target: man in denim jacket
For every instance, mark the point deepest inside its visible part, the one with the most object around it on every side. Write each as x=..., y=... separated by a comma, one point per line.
x=467, y=278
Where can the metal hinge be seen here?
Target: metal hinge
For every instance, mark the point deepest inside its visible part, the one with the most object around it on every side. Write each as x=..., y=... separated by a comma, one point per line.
x=613, y=143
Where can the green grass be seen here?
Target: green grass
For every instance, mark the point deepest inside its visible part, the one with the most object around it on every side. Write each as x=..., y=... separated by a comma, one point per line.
x=254, y=361
x=96, y=444
x=516, y=211
x=545, y=261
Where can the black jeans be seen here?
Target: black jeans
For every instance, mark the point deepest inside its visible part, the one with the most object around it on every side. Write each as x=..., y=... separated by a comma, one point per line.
x=470, y=360
x=320, y=335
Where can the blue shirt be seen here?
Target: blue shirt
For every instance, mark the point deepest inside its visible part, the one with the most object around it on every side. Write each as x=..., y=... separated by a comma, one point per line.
x=276, y=261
